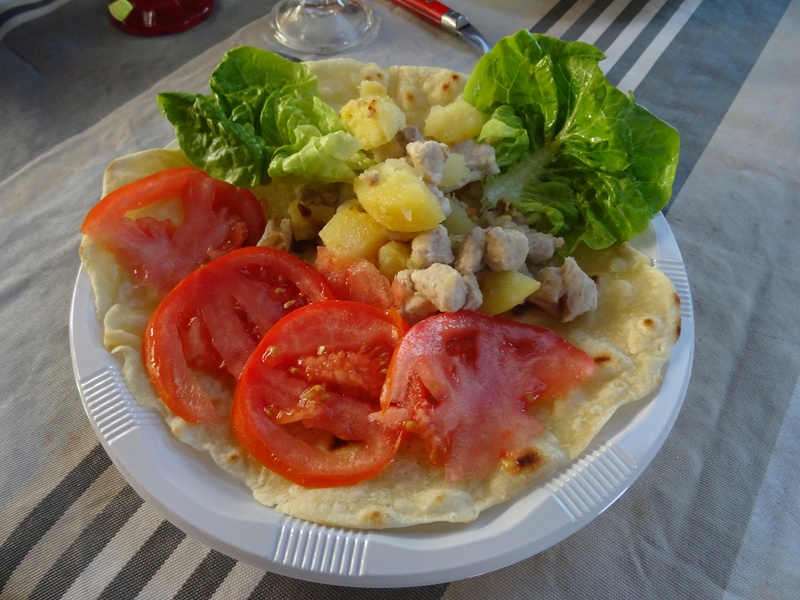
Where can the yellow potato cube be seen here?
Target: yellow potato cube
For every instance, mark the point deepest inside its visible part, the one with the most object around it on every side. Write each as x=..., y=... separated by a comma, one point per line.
x=503, y=290
x=456, y=173
x=458, y=221
x=454, y=122
x=397, y=197
x=373, y=117
x=393, y=258
x=353, y=233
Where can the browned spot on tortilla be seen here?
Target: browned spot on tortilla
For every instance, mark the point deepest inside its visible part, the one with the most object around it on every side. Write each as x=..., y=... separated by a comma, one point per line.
x=375, y=518
x=410, y=97
x=678, y=328
x=379, y=75
x=676, y=298
x=603, y=358
x=529, y=461
x=648, y=322
x=445, y=86
x=455, y=77
x=368, y=78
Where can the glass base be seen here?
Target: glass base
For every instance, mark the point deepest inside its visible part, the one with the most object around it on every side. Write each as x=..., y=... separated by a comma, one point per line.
x=159, y=17
x=322, y=27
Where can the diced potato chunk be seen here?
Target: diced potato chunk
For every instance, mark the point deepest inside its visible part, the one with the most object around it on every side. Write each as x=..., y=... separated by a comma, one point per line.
x=373, y=117
x=454, y=122
x=393, y=258
x=458, y=221
x=354, y=234
x=397, y=198
x=456, y=173
x=503, y=290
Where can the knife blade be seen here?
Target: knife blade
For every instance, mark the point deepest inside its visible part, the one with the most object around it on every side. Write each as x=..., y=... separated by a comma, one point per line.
x=448, y=19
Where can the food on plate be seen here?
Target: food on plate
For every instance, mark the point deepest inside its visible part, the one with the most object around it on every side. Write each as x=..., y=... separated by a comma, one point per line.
x=382, y=297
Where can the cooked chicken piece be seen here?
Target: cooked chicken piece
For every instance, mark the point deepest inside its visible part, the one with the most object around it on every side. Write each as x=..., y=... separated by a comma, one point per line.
x=442, y=285
x=470, y=254
x=551, y=289
x=444, y=202
x=474, y=294
x=506, y=249
x=428, y=159
x=480, y=158
x=542, y=246
x=566, y=292
x=413, y=306
x=411, y=134
x=277, y=234
x=432, y=246
x=581, y=291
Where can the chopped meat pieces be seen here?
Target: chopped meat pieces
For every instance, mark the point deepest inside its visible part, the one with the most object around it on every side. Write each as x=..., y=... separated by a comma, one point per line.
x=428, y=159
x=474, y=294
x=566, y=292
x=444, y=202
x=277, y=234
x=442, y=285
x=432, y=246
x=550, y=290
x=506, y=249
x=470, y=253
x=581, y=290
x=480, y=158
x=542, y=246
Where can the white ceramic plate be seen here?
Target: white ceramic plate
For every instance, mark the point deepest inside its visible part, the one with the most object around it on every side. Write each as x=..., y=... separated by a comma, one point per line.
x=189, y=490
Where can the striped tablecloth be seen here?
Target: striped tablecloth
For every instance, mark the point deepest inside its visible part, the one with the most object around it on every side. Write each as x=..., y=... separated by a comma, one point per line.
x=716, y=513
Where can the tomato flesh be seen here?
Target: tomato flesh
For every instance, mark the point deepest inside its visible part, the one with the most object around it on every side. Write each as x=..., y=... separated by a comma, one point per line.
x=303, y=404
x=163, y=227
x=463, y=382
x=354, y=279
x=215, y=317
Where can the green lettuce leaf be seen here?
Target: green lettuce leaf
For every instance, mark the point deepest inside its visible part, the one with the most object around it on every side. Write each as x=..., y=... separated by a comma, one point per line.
x=263, y=119
x=578, y=157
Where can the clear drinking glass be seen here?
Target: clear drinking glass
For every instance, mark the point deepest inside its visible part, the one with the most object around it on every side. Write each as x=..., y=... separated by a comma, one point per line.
x=322, y=26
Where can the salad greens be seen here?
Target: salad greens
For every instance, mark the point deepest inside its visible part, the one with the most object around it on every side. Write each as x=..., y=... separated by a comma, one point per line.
x=263, y=119
x=578, y=157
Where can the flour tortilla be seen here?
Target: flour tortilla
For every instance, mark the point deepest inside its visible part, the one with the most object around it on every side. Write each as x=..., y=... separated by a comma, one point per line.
x=630, y=336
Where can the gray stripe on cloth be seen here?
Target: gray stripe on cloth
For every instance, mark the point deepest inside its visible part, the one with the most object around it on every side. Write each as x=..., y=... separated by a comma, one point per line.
x=552, y=17
x=207, y=577
x=278, y=587
x=88, y=545
x=643, y=40
x=7, y=14
x=49, y=510
x=583, y=22
x=619, y=24
x=689, y=88
x=144, y=564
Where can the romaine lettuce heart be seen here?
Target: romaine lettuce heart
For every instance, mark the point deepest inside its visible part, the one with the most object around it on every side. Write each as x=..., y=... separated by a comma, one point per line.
x=263, y=119
x=578, y=157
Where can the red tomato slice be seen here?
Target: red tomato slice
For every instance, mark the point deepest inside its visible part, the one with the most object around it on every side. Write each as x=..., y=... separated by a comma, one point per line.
x=214, y=318
x=163, y=227
x=302, y=406
x=463, y=381
x=354, y=279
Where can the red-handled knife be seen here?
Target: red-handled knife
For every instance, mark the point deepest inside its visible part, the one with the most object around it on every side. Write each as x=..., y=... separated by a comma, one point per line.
x=445, y=17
